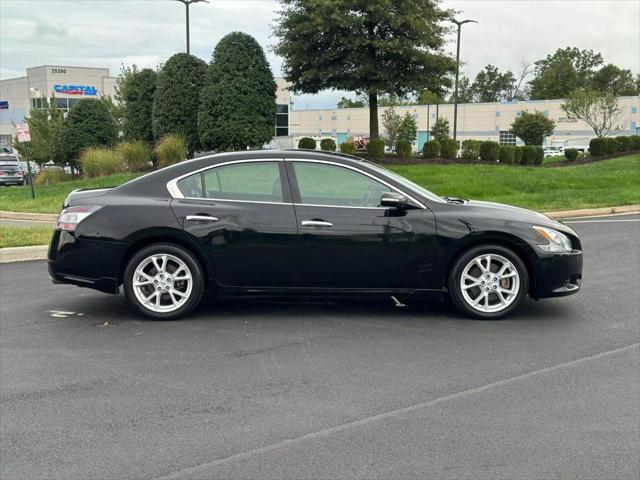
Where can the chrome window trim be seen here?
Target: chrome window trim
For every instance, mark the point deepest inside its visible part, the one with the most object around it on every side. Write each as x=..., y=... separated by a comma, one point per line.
x=392, y=187
x=172, y=185
x=174, y=191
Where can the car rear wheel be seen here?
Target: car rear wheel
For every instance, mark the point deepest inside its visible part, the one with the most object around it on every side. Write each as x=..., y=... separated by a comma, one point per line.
x=163, y=282
x=488, y=282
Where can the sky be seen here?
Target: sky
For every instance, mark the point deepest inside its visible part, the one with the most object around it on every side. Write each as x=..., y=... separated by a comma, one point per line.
x=109, y=33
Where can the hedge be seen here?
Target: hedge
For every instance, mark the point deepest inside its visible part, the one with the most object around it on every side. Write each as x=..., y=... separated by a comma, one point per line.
x=449, y=148
x=171, y=149
x=376, y=148
x=471, y=149
x=403, y=148
x=624, y=144
x=307, y=143
x=100, y=161
x=635, y=142
x=507, y=154
x=571, y=154
x=136, y=155
x=348, y=148
x=529, y=155
x=431, y=149
x=328, y=145
x=489, y=151
x=517, y=155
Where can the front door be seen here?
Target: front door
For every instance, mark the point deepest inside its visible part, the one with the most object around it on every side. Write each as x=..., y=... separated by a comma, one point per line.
x=241, y=215
x=351, y=241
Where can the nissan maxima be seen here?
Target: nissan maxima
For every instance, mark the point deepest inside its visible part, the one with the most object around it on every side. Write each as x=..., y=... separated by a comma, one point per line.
x=302, y=223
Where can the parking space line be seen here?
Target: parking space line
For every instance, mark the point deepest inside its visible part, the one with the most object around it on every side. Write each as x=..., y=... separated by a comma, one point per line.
x=603, y=221
x=389, y=414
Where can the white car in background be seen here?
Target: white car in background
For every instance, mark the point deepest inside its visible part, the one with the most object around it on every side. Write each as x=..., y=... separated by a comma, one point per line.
x=553, y=151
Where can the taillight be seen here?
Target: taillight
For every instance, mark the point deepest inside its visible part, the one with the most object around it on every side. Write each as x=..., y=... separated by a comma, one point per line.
x=70, y=217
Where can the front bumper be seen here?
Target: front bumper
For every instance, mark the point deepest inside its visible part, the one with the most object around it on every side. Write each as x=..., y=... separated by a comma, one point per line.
x=557, y=275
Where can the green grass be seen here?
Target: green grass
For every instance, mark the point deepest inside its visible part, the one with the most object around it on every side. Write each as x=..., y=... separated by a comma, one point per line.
x=600, y=184
x=24, y=236
x=554, y=159
x=49, y=198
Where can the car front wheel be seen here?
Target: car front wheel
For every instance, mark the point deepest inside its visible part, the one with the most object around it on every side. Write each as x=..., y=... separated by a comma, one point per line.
x=488, y=282
x=163, y=282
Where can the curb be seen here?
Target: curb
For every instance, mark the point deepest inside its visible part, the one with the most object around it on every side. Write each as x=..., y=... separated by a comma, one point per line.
x=31, y=217
x=39, y=252
x=592, y=212
x=23, y=254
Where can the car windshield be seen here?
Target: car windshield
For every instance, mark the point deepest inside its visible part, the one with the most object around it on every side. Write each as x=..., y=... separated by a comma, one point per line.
x=414, y=187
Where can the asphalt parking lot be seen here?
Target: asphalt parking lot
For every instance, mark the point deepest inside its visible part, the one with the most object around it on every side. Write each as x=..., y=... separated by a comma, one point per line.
x=348, y=390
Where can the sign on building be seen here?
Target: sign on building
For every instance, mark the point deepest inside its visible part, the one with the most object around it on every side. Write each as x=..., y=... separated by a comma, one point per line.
x=23, y=133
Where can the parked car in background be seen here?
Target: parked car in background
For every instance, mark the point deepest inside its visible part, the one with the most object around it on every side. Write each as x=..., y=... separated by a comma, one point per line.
x=51, y=167
x=553, y=151
x=305, y=223
x=11, y=174
x=35, y=169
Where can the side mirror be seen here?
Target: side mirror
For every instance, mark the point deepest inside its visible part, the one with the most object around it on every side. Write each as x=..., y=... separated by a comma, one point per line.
x=394, y=200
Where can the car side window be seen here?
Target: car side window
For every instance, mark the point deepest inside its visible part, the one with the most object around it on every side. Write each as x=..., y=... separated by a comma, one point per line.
x=325, y=184
x=191, y=186
x=250, y=181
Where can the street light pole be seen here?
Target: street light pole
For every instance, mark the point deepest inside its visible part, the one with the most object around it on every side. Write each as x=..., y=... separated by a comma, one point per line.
x=455, y=94
x=187, y=4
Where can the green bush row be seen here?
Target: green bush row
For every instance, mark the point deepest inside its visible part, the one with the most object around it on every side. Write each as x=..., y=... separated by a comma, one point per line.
x=612, y=145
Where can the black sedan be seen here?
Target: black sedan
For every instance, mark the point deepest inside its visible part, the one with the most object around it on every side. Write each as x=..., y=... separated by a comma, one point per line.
x=302, y=223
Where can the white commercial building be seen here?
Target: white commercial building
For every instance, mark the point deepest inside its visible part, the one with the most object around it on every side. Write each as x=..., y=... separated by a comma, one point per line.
x=479, y=121
x=68, y=85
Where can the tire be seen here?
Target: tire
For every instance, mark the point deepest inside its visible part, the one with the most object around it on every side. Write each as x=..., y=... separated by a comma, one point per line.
x=500, y=294
x=178, y=296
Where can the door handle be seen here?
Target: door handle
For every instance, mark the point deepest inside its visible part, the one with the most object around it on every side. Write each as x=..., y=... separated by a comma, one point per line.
x=316, y=224
x=201, y=218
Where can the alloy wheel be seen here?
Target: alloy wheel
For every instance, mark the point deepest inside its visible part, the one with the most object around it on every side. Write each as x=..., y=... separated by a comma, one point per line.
x=162, y=283
x=489, y=283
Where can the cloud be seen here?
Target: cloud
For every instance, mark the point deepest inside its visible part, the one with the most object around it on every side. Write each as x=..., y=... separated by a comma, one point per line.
x=108, y=33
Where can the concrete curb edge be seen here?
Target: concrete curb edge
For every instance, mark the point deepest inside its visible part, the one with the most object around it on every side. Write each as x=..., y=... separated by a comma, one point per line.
x=23, y=254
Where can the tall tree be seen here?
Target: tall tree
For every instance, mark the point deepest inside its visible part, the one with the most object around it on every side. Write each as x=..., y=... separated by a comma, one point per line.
x=373, y=47
x=238, y=100
x=491, y=85
x=427, y=97
x=562, y=72
x=611, y=78
x=600, y=111
x=89, y=123
x=177, y=99
x=532, y=127
x=135, y=91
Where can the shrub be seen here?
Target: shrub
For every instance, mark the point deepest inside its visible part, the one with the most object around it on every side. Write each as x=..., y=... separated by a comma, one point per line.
x=471, y=149
x=598, y=147
x=571, y=154
x=328, y=145
x=517, y=155
x=100, y=161
x=135, y=155
x=171, y=149
x=431, y=149
x=403, y=148
x=449, y=148
x=635, y=142
x=539, y=156
x=612, y=145
x=376, y=148
x=307, y=143
x=348, y=148
x=624, y=144
x=52, y=177
x=489, y=151
x=529, y=154
x=507, y=154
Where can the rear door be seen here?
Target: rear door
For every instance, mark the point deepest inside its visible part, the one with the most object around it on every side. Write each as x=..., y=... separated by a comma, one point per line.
x=352, y=242
x=242, y=216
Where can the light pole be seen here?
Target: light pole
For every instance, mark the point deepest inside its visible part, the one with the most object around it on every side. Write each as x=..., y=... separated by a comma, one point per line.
x=455, y=94
x=187, y=4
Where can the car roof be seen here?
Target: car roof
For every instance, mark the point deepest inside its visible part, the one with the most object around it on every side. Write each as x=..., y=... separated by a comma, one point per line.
x=155, y=182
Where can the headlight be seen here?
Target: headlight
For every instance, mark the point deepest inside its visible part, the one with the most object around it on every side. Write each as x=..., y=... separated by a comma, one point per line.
x=557, y=242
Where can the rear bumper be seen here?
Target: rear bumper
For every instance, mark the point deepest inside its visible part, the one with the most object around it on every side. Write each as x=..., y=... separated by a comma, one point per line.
x=11, y=181
x=557, y=275
x=85, y=262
